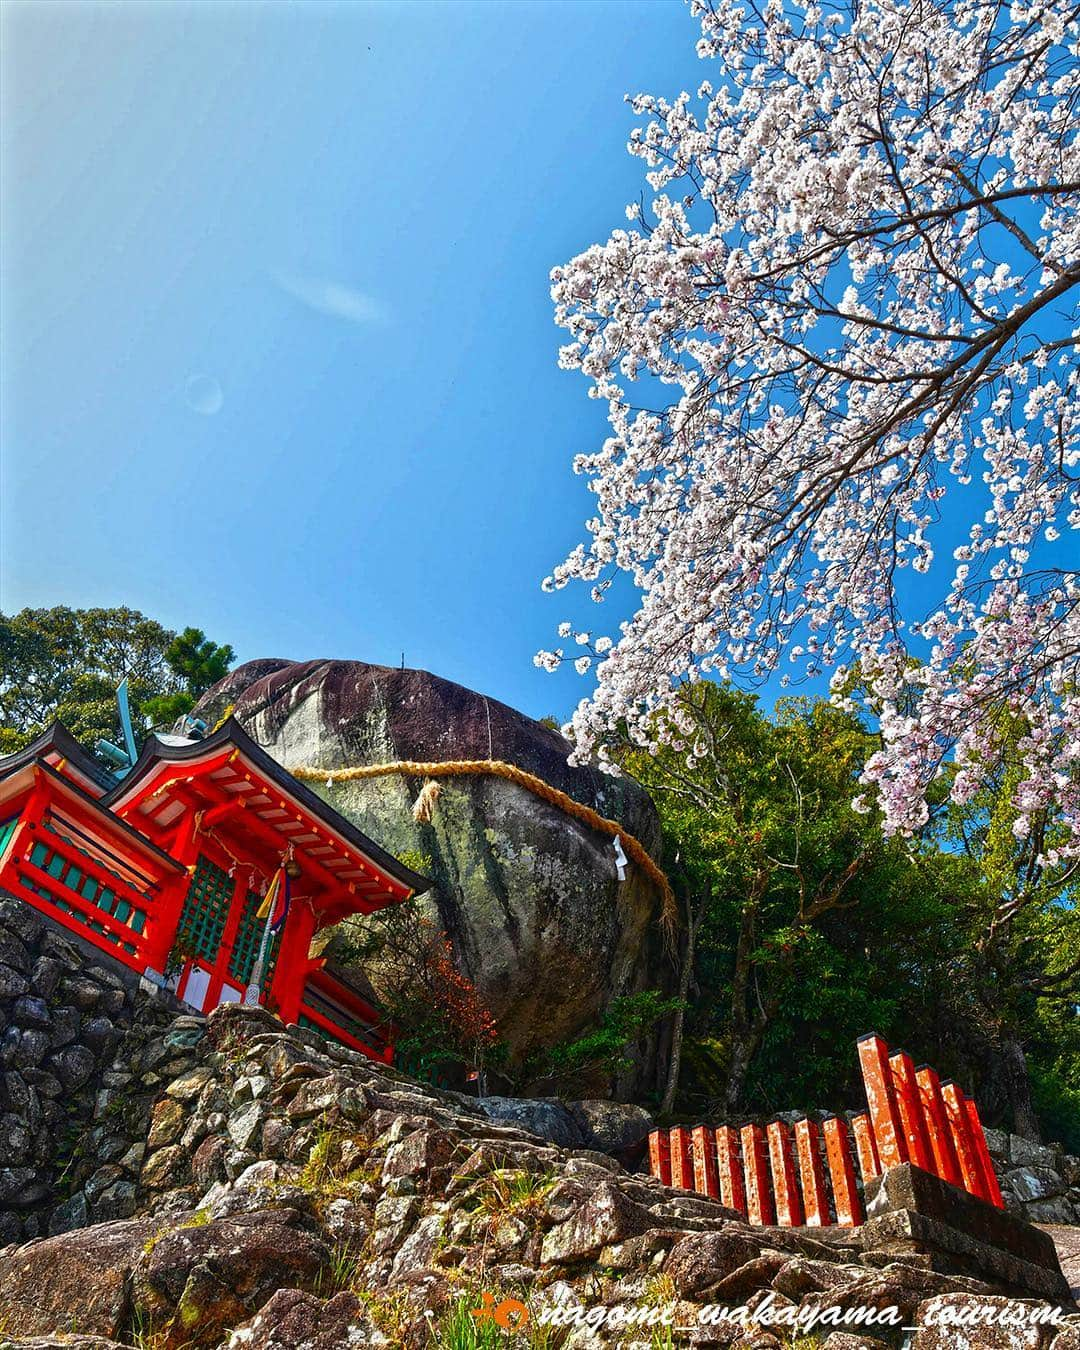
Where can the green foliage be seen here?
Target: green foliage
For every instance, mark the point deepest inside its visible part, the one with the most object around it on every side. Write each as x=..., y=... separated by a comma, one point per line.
x=814, y=928
x=458, y=1329
x=1021, y=965
x=506, y=1192
x=434, y=1006
x=200, y=663
x=1055, y=1091
x=604, y=1049
x=164, y=709
x=66, y=663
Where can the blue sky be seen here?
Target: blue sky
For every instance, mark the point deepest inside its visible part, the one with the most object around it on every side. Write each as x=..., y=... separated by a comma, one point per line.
x=278, y=351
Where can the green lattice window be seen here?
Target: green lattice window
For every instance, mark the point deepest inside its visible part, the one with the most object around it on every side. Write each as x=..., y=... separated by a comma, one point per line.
x=205, y=910
x=71, y=877
x=246, y=947
x=7, y=829
x=74, y=846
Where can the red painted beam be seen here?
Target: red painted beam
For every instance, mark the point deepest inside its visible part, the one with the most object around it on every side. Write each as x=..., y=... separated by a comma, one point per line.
x=910, y=1108
x=869, y=1164
x=789, y=1211
x=732, y=1189
x=811, y=1174
x=970, y=1171
x=982, y=1154
x=759, y=1204
x=889, y=1141
x=703, y=1145
x=842, y=1173
x=936, y=1120
x=660, y=1156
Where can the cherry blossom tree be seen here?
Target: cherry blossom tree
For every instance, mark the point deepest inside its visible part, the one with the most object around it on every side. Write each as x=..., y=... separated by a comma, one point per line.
x=839, y=340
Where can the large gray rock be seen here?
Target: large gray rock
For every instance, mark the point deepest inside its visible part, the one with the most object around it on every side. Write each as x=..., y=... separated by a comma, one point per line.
x=529, y=897
x=611, y=1127
x=75, y=1280
x=548, y=1118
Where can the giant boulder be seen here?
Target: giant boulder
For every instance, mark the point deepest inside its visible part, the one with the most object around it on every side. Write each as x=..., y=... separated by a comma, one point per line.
x=529, y=897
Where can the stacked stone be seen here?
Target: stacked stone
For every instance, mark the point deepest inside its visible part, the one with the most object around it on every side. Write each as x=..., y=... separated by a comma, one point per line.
x=109, y=1162
x=64, y=1019
x=1039, y=1182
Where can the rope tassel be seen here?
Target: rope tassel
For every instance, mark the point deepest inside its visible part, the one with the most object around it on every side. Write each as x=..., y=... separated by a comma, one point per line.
x=424, y=806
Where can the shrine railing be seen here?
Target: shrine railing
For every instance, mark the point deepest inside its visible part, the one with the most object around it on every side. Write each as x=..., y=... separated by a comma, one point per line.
x=805, y=1175
x=81, y=885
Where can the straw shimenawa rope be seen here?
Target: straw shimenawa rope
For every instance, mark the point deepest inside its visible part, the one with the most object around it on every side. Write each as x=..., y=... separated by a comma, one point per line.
x=462, y=768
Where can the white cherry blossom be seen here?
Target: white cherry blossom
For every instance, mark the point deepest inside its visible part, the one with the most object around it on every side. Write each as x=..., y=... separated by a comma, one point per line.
x=845, y=321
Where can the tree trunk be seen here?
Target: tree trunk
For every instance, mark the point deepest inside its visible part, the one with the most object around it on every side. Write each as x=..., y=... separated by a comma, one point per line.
x=747, y=1026
x=1018, y=1090
x=685, y=974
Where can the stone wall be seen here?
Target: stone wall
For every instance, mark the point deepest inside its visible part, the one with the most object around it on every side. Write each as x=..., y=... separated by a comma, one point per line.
x=1039, y=1182
x=71, y=1087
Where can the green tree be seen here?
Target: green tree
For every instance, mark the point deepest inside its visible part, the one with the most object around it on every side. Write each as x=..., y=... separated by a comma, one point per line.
x=1023, y=949
x=808, y=926
x=66, y=663
x=198, y=661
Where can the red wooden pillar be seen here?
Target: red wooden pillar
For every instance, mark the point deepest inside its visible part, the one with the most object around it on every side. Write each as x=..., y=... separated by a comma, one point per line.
x=789, y=1210
x=842, y=1173
x=891, y=1147
x=811, y=1174
x=660, y=1156
x=703, y=1144
x=936, y=1119
x=732, y=1190
x=759, y=1205
x=970, y=1171
x=911, y=1117
x=682, y=1173
x=31, y=816
x=162, y=921
x=291, y=971
x=869, y=1165
x=982, y=1154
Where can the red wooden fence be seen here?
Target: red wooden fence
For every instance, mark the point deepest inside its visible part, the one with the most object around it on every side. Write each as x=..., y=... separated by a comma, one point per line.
x=808, y=1179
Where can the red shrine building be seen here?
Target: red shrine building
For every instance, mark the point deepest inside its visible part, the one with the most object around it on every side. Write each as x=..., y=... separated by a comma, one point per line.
x=166, y=867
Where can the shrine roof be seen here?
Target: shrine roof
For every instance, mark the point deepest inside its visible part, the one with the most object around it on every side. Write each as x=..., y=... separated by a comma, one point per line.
x=94, y=814
x=58, y=748
x=230, y=736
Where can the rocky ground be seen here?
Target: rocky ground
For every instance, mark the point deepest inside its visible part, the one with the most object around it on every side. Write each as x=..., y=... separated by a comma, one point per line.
x=293, y=1194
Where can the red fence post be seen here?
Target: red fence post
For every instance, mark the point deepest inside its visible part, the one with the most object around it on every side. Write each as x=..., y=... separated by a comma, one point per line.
x=759, y=1203
x=891, y=1146
x=982, y=1154
x=911, y=1117
x=811, y=1173
x=842, y=1173
x=732, y=1190
x=703, y=1144
x=869, y=1165
x=660, y=1156
x=936, y=1120
x=682, y=1173
x=789, y=1211
x=970, y=1171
